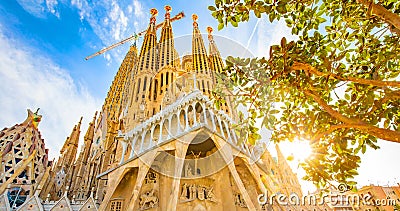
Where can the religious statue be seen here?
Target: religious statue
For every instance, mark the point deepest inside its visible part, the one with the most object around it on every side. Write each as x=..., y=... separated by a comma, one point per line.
x=191, y=117
x=188, y=171
x=167, y=100
x=192, y=192
x=210, y=195
x=148, y=200
x=239, y=201
x=142, y=108
x=184, y=194
x=196, y=157
x=201, y=193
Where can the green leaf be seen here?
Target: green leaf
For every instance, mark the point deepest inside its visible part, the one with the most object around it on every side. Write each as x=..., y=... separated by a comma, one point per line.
x=220, y=26
x=211, y=8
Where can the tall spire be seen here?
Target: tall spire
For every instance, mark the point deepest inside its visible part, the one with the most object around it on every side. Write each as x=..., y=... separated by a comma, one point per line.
x=199, y=53
x=113, y=102
x=82, y=161
x=215, y=59
x=166, y=55
x=69, y=149
x=148, y=52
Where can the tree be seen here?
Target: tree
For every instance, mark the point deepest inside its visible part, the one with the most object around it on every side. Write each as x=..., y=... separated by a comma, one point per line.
x=336, y=85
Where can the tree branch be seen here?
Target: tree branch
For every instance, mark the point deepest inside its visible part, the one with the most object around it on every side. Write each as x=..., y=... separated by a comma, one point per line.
x=310, y=69
x=385, y=134
x=380, y=11
x=331, y=129
x=395, y=95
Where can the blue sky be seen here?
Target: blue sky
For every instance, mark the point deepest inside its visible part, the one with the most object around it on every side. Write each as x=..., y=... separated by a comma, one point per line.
x=44, y=43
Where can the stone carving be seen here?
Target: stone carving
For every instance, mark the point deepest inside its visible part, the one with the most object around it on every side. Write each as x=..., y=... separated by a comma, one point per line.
x=142, y=108
x=210, y=194
x=150, y=178
x=191, y=116
x=188, y=170
x=196, y=158
x=148, y=200
x=167, y=99
x=201, y=192
x=184, y=194
x=191, y=191
x=239, y=200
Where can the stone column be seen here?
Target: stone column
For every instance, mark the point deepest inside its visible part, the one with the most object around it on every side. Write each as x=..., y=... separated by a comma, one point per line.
x=160, y=136
x=186, y=118
x=124, y=145
x=213, y=121
x=220, y=126
x=194, y=114
x=142, y=142
x=133, y=146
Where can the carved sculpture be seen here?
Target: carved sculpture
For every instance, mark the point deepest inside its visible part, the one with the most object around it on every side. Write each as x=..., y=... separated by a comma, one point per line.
x=151, y=177
x=191, y=115
x=184, y=194
x=201, y=192
x=167, y=99
x=210, y=194
x=191, y=191
x=239, y=201
x=148, y=200
x=188, y=170
x=142, y=107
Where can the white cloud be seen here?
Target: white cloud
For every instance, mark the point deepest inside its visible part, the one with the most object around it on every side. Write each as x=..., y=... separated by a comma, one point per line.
x=52, y=7
x=138, y=8
x=115, y=24
x=40, y=8
x=119, y=19
x=130, y=9
x=30, y=80
x=33, y=7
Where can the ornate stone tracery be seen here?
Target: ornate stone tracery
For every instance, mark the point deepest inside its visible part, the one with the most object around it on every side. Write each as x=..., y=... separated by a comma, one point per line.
x=151, y=178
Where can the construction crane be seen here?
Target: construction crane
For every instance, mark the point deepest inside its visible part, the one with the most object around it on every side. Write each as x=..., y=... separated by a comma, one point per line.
x=134, y=36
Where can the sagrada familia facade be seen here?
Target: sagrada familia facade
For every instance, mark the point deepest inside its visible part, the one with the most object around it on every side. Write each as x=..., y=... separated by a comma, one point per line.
x=159, y=143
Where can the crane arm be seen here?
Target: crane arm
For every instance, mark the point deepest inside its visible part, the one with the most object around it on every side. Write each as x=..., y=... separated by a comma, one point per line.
x=133, y=37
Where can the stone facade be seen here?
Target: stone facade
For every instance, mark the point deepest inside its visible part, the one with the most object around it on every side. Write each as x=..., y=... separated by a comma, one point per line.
x=159, y=143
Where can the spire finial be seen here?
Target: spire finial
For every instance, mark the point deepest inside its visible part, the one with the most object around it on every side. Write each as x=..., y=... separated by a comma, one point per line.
x=210, y=30
x=154, y=13
x=167, y=11
x=195, y=18
x=168, y=8
x=95, y=115
x=34, y=118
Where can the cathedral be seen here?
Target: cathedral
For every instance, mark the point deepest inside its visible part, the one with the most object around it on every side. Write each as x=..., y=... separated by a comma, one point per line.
x=159, y=143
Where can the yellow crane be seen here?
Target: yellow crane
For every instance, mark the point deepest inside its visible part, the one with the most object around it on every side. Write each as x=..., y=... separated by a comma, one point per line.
x=134, y=37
